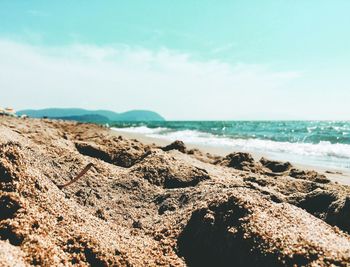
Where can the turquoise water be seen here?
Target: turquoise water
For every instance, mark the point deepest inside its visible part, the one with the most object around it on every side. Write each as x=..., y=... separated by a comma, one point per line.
x=321, y=143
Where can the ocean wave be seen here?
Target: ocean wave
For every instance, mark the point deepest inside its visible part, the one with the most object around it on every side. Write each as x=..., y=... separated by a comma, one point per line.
x=324, y=152
x=141, y=130
x=322, y=149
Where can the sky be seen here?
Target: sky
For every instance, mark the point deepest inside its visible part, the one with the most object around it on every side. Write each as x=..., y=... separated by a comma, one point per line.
x=185, y=59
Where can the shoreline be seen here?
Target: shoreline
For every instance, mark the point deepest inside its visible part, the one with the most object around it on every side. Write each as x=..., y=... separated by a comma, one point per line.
x=339, y=175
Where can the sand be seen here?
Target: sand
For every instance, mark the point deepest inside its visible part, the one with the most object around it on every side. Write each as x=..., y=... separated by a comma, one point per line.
x=146, y=205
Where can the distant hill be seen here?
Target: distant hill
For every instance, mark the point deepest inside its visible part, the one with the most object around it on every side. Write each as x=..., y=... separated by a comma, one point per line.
x=84, y=115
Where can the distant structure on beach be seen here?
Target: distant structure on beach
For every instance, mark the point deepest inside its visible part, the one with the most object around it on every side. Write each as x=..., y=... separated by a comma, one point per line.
x=7, y=112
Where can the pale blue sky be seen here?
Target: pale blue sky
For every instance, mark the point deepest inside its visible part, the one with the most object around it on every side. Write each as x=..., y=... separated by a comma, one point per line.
x=272, y=59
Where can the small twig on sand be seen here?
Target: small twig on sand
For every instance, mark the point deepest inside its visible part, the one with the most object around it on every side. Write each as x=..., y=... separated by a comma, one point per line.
x=87, y=167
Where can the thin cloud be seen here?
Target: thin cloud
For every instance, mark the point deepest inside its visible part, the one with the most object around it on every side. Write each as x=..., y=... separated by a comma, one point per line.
x=121, y=77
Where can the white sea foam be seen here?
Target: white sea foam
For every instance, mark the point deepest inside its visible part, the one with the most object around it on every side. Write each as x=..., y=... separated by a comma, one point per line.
x=141, y=130
x=323, y=153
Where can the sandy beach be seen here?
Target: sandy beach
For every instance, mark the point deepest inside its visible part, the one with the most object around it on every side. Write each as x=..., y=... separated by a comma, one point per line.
x=82, y=194
x=174, y=133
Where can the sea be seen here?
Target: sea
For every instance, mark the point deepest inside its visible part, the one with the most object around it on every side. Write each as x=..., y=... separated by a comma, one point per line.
x=315, y=143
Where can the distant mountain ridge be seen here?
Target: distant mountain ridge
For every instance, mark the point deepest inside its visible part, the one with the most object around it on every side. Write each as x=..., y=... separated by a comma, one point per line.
x=84, y=115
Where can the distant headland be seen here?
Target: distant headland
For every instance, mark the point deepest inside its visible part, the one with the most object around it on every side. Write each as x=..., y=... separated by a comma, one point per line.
x=97, y=116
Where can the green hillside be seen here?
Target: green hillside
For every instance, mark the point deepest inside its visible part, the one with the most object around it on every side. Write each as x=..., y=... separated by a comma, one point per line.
x=101, y=116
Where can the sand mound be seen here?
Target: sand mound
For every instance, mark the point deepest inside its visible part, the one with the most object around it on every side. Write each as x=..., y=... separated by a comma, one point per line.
x=142, y=206
x=163, y=170
x=176, y=145
x=276, y=166
x=239, y=161
x=250, y=231
x=112, y=151
x=308, y=175
x=332, y=206
x=245, y=162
